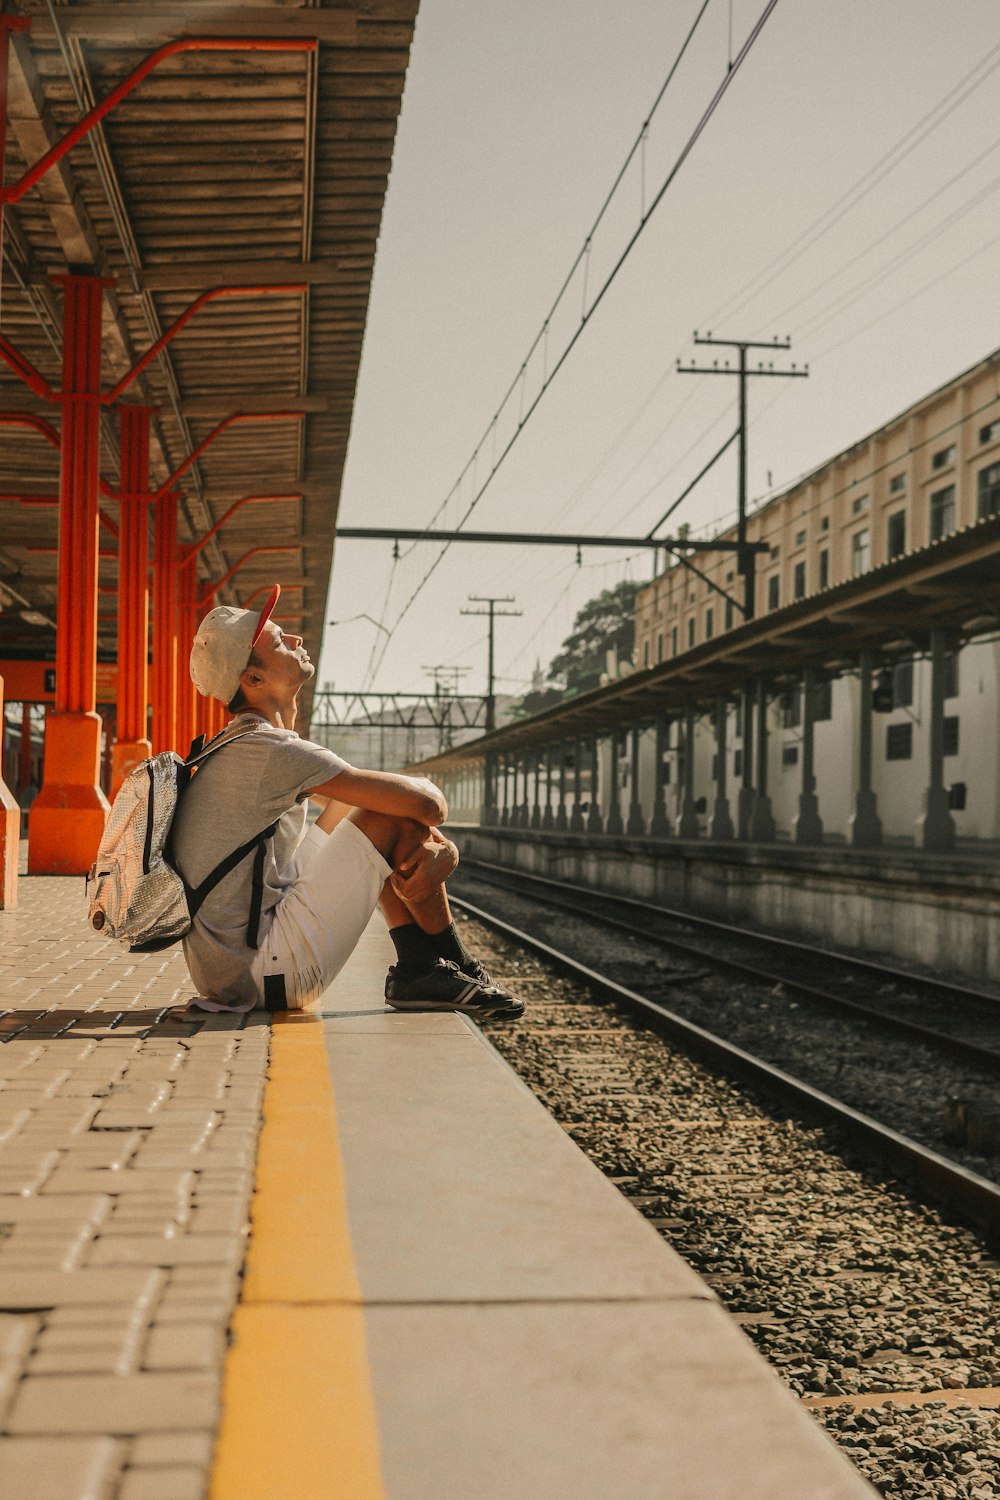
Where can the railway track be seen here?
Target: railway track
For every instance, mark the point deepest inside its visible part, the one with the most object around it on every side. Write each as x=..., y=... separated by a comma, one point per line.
x=804, y=1070
x=875, y=1308
x=953, y=1017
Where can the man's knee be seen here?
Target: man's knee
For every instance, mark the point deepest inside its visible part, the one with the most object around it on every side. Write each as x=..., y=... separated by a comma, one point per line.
x=389, y=834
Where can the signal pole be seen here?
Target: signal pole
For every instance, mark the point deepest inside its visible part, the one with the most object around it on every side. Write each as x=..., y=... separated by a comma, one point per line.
x=493, y=613
x=746, y=559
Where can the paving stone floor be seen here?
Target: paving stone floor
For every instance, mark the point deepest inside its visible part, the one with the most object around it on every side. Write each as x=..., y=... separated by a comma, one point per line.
x=127, y=1143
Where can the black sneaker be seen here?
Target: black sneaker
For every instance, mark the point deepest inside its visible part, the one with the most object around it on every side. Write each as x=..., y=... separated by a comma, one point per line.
x=445, y=987
x=478, y=971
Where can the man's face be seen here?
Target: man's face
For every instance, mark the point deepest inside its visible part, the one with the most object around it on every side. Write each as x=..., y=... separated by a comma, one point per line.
x=283, y=656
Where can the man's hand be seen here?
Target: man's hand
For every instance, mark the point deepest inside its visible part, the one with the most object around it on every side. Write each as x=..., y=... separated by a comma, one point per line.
x=426, y=870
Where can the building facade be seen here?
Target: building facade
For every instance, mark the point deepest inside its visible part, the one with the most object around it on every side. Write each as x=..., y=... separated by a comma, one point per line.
x=931, y=471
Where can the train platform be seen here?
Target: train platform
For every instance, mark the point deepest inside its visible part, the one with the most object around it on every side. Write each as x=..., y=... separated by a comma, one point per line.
x=342, y=1256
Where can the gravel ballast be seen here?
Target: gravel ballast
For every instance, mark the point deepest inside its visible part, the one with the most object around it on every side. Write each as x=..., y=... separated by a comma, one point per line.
x=851, y=1289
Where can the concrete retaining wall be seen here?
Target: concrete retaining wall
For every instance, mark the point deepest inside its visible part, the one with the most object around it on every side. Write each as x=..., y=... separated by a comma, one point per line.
x=942, y=912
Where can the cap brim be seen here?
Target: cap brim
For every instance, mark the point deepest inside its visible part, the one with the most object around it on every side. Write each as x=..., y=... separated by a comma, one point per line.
x=266, y=613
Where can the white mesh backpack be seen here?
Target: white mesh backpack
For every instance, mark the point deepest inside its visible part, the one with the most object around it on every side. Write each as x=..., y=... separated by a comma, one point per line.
x=135, y=892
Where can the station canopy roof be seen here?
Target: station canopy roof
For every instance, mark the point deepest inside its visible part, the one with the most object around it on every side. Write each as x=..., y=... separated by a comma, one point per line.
x=953, y=585
x=236, y=167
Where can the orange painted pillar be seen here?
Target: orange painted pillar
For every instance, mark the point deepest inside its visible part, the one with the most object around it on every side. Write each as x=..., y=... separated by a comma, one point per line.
x=10, y=833
x=24, y=770
x=108, y=720
x=187, y=693
x=131, y=745
x=68, y=815
x=165, y=625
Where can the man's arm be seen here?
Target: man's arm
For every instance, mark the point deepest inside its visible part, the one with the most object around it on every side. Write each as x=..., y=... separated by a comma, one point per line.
x=426, y=869
x=387, y=792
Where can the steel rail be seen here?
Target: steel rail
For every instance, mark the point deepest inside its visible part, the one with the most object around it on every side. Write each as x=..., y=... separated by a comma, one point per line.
x=941, y=989
x=946, y=1181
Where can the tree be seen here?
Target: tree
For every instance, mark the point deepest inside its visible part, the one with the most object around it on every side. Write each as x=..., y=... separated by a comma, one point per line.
x=606, y=623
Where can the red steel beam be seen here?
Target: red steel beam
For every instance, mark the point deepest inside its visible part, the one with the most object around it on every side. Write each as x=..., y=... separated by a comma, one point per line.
x=260, y=416
x=196, y=547
x=48, y=432
x=25, y=370
x=28, y=419
x=16, y=191
x=278, y=290
x=213, y=588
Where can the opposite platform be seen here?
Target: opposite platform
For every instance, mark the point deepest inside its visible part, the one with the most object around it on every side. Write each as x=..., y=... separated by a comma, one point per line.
x=440, y=1296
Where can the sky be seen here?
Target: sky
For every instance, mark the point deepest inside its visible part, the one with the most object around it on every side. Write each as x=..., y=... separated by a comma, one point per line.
x=842, y=194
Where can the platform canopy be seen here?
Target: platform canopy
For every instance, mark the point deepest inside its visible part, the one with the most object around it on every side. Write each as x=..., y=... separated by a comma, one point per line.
x=254, y=166
x=952, y=586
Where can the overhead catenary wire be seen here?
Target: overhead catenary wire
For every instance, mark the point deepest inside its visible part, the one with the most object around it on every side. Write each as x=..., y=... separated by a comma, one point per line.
x=861, y=188
x=679, y=161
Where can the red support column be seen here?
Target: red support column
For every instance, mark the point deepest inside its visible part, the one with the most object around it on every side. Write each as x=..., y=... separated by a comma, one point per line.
x=68, y=815
x=10, y=832
x=165, y=624
x=187, y=693
x=108, y=719
x=132, y=746
x=24, y=771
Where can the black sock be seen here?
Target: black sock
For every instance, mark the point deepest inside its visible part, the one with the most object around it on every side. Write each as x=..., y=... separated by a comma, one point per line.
x=416, y=950
x=448, y=944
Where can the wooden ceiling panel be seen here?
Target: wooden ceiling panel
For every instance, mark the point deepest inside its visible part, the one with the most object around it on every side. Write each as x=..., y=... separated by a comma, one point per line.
x=218, y=164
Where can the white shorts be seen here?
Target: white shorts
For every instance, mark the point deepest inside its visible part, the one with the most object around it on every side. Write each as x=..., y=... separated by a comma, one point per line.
x=319, y=920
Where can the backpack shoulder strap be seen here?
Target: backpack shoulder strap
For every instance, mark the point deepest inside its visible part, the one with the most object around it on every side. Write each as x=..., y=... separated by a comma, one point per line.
x=201, y=750
x=197, y=895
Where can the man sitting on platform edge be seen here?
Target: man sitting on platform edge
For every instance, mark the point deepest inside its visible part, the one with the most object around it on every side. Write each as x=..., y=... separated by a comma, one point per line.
x=376, y=842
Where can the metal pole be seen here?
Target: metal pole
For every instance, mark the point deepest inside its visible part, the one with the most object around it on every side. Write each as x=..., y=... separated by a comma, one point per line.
x=613, y=823
x=562, y=821
x=576, y=815
x=165, y=624
x=491, y=702
x=131, y=742
x=10, y=820
x=721, y=827
x=746, y=563
x=746, y=796
x=865, y=826
x=491, y=603
x=636, y=821
x=807, y=827
x=936, y=828
x=187, y=693
x=659, y=823
x=68, y=815
x=762, y=829
x=688, y=827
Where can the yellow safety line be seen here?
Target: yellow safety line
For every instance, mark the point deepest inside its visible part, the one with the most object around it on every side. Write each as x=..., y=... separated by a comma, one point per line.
x=298, y=1417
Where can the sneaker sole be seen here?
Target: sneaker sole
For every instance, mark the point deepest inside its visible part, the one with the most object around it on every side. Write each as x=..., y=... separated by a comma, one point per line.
x=505, y=1010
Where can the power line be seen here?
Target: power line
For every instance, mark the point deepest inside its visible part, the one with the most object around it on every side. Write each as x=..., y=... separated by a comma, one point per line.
x=588, y=313
x=860, y=189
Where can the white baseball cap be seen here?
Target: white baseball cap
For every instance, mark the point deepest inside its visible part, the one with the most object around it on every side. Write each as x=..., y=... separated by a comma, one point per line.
x=222, y=647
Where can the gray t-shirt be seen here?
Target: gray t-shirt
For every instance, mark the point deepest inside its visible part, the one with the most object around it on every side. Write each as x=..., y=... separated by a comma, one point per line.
x=238, y=792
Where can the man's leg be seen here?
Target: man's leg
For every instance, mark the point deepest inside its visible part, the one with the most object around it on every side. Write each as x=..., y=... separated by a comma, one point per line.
x=423, y=931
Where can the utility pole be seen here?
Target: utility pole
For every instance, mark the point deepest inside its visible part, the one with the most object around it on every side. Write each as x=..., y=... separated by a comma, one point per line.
x=447, y=678
x=492, y=612
x=746, y=558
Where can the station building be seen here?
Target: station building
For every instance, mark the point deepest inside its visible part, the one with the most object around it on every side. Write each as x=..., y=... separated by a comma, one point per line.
x=929, y=473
